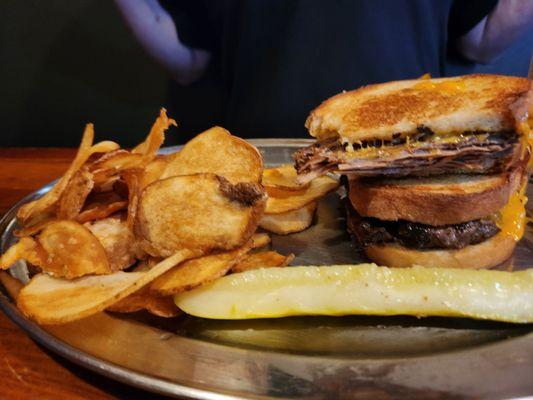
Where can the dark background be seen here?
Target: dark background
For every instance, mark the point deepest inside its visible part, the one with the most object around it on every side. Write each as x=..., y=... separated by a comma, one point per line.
x=65, y=63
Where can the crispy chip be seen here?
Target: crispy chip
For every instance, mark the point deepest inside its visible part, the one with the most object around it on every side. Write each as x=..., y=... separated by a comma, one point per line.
x=260, y=240
x=30, y=210
x=50, y=300
x=132, y=181
x=202, y=211
x=318, y=188
x=148, y=149
x=282, y=177
x=25, y=249
x=290, y=221
x=198, y=271
x=75, y=193
x=265, y=259
x=101, y=211
x=153, y=171
x=37, y=225
x=116, y=239
x=144, y=299
x=12, y=285
x=218, y=152
x=72, y=251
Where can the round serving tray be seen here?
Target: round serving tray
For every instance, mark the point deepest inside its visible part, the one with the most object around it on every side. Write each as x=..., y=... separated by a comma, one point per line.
x=305, y=357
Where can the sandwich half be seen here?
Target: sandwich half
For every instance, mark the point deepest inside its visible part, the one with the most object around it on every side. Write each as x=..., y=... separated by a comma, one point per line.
x=436, y=168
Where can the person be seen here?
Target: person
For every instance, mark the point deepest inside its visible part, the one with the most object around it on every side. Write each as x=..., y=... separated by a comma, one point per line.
x=273, y=61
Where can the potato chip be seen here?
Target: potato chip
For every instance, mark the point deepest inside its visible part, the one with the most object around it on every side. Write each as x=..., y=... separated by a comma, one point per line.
x=144, y=299
x=290, y=221
x=202, y=211
x=73, y=197
x=318, y=188
x=13, y=286
x=153, y=171
x=116, y=239
x=282, y=177
x=27, y=249
x=218, y=152
x=50, y=300
x=37, y=224
x=101, y=211
x=132, y=178
x=260, y=240
x=198, y=271
x=264, y=259
x=29, y=210
x=72, y=251
x=149, y=148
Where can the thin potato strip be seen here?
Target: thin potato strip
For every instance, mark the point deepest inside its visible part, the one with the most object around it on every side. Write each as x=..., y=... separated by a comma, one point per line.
x=198, y=271
x=12, y=285
x=27, y=249
x=44, y=220
x=148, y=149
x=73, y=197
x=49, y=300
x=260, y=240
x=101, y=211
x=264, y=259
x=217, y=151
x=30, y=210
x=318, y=188
x=290, y=221
x=365, y=289
x=162, y=306
x=132, y=181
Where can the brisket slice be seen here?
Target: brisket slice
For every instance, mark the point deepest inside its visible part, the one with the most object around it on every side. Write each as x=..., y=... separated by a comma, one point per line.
x=495, y=153
x=412, y=235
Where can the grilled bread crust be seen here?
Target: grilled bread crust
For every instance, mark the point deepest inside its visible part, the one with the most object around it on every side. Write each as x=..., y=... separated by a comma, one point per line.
x=486, y=254
x=439, y=200
x=446, y=105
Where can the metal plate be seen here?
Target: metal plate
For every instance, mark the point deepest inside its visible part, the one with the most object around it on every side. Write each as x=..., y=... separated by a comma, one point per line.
x=306, y=357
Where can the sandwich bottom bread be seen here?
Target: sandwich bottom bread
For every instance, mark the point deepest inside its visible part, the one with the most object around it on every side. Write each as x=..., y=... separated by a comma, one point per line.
x=452, y=221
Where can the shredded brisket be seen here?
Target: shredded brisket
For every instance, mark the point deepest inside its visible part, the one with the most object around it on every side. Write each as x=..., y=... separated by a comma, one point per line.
x=493, y=153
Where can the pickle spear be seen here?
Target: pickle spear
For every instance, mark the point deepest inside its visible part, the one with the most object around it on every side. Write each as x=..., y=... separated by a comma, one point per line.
x=365, y=289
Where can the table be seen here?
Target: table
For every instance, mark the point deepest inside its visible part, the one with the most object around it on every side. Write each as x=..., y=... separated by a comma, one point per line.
x=27, y=370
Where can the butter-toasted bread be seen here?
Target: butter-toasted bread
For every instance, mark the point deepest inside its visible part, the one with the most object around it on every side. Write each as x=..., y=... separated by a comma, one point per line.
x=441, y=200
x=445, y=105
x=487, y=254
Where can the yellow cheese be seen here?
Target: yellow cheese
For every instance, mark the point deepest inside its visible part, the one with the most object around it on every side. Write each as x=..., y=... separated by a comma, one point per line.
x=512, y=218
x=447, y=87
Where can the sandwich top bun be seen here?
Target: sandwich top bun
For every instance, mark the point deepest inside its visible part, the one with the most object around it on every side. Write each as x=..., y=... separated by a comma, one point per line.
x=437, y=200
x=486, y=254
x=445, y=105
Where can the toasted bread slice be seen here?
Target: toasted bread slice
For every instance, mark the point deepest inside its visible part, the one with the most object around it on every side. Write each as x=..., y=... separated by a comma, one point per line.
x=486, y=254
x=438, y=200
x=445, y=105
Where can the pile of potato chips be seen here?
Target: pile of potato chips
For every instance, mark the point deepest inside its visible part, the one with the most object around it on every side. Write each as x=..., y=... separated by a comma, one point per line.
x=125, y=230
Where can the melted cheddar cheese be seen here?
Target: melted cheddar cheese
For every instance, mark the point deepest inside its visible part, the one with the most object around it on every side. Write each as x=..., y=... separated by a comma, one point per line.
x=447, y=87
x=512, y=218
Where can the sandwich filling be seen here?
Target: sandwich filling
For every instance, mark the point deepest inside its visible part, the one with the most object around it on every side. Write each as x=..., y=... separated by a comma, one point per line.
x=421, y=154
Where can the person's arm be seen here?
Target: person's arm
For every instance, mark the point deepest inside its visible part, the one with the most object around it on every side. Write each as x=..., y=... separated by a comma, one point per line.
x=155, y=30
x=506, y=23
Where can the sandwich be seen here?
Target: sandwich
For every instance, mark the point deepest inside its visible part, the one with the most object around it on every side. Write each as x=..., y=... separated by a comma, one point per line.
x=435, y=169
